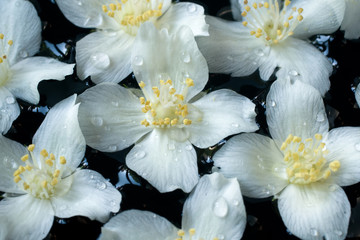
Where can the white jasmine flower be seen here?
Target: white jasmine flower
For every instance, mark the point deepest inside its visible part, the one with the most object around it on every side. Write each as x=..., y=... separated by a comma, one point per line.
x=273, y=34
x=350, y=23
x=43, y=181
x=303, y=164
x=213, y=211
x=167, y=116
x=20, y=73
x=105, y=54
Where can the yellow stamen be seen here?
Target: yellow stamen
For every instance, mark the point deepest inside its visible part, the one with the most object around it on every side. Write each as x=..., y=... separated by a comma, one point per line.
x=25, y=157
x=62, y=160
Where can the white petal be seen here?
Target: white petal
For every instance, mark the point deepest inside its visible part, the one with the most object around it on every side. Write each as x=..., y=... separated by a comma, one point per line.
x=215, y=209
x=224, y=112
x=86, y=13
x=27, y=73
x=105, y=56
x=320, y=17
x=26, y=217
x=295, y=108
x=255, y=161
x=174, y=56
x=20, y=23
x=297, y=57
x=236, y=9
x=350, y=23
x=344, y=146
x=11, y=153
x=357, y=95
x=184, y=14
x=62, y=138
x=9, y=110
x=315, y=211
x=90, y=195
x=136, y=225
x=110, y=117
x=230, y=48
x=166, y=163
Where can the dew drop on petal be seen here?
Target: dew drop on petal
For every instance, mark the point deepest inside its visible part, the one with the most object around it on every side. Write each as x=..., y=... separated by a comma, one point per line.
x=220, y=207
x=185, y=57
x=293, y=73
x=113, y=203
x=259, y=52
x=138, y=61
x=79, y=2
x=91, y=176
x=112, y=148
x=221, y=237
x=176, y=159
x=10, y=100
x=188, y=147
x=115, y=104
x=235, y=125
x=191, y=8
x=97, y=121
x=101, y=185
x=320, y=117
x=314, y=232
x=23, y=54
x=338, y=232
x=357, y=147
x=100, y=60
x=332, y=187
x=236, y=202
x=171, y=146
x=139, y=154
x=272, y=103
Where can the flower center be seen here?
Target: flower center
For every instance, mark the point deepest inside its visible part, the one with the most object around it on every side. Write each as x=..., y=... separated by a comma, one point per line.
x=131, y=13
x=266, y=21
x=40, y=177
x=166, y=108
x=4, y=64
x=306, y=161
x=182, y=235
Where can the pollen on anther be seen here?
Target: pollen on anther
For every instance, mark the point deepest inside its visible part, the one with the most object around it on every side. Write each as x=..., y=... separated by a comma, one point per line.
x=189, y=82
x=44, y=153
x=142, y=84
x=62, y=160
x=10, y=42
x=187, y=121
x=192, y=231
x=25, y=157
x=44, y=184
x=181, y=233
x=31, y=147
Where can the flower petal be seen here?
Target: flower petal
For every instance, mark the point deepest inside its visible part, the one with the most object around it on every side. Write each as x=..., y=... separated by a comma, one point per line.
x=299, y=59
x=343, y=145
x=105, y=56
x=236, y=9
x=255, y=161
x=90, y=195
x=315, y=211
x=184, y=14
x=126, y=226
x=62, y=138
x=9, y=110
x=230, y=48
x=166, y=163
x=168, y=56
x=215, y=209
x=224, y=112
x=26, y=217
x=357, y=95
x=319, y=17
x=21, y=24
x=110, y=117
x=350, y=23
x=29, y=72
x=86, y=13
x=11, y=153
x=295, y=108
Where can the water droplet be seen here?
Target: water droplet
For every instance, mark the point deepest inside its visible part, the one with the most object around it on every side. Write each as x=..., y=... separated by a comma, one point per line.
x=171, y=146
x=189, y=147
x=235, y=125
x=97, y=121
x=92, y=177
x=272, y=103
x=236, y=202
x=338, y=232
x=261, y=166
x=320, y=117
x=154, y=215
x=254, y=63
x=179, y=150
x=113, y=203
x=293, y=73
x=115, y=104
x=267, y=191
x=357, y=147
x=112, y=148
x=259, y=158
x=10, y=100
x=138, y=61
x=332, y=187
x=23, y=54
x=220, y=207
x=100, y=60
x=314, y=232
x=176, y=159
x=191, y=8
x=101, y=185
x=79, y=3
x=221, y=237
x=185, y=57
x=139, y=154
x=259, y=52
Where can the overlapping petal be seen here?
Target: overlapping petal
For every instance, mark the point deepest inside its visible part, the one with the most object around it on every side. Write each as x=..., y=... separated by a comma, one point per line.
x=110, y=116
x=166, y=163
x=350, y=23
x=224, y=112
x=315, y=211
x=256, y=162
x=9, y=110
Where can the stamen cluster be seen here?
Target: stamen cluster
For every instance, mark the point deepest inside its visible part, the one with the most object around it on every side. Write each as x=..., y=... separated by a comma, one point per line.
x=4, y=52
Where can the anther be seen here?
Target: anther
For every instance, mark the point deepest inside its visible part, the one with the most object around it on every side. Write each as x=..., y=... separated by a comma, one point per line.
x=142, y=84
x=181, y=233
x=62, y=160
x=189, y=82
x=25, y=157
x=44, y=153
x=31, y=147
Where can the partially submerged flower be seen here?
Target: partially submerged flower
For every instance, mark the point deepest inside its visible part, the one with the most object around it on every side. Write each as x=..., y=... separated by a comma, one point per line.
x=20, y=73
x=168, y=115
x=273, y=34
x=105, y=54
x=350, y=23
x=303, y=164
x=213, y=211
x=43, y=181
